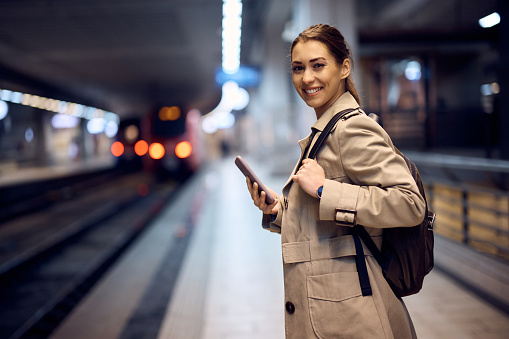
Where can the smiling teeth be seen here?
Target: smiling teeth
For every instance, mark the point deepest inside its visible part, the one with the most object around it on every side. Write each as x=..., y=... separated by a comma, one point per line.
x=311, y=91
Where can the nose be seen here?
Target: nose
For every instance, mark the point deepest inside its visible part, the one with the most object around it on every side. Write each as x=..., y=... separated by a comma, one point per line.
x=308, y=76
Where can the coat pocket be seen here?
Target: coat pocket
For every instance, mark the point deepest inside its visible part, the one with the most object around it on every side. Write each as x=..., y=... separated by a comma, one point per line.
x=338, y=309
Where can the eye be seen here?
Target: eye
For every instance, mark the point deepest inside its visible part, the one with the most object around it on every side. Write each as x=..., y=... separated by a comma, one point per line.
x=297, y=68
x=318, y=65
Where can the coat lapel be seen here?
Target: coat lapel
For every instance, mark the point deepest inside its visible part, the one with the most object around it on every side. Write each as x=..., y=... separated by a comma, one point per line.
x=345, y=101
x=303, y=149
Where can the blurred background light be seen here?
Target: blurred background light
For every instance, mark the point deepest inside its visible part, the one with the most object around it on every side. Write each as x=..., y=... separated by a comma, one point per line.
x=5, y=95
x=232, y=32
x=111, y=129
x=78, y=110
x=117, y=148
x=413, y=71
x=183, y=149
x=193, y=116
x=90, y=113
x=16, y=97
x=141, y=148
x=241, y=100
x=29, y=135
x=57, y=106
x=96, y=125
x=490, y=89
x=233, y=98
x=4, y=109
x=490, y=20
x=169, y=113
x=246, y=76
x=208, y=125
x=156, y=151
x=62, y=107
x=131, y=133
x=64, y=121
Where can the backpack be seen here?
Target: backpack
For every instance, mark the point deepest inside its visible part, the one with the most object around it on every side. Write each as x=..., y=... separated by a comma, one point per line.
x=406, y=255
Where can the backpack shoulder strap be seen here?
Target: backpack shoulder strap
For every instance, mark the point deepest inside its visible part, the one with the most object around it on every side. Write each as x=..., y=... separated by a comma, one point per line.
x=326, y=131
x=370, y=244
x=358, y=231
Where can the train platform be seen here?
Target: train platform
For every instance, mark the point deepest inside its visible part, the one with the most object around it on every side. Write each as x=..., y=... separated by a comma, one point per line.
x=206, y=269
x=13, y=175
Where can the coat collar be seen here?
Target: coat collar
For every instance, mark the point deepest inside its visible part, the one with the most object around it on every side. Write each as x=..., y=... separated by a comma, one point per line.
x=344, y=101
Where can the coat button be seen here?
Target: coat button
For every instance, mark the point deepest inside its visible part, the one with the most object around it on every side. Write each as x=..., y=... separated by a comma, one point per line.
x=290, y=307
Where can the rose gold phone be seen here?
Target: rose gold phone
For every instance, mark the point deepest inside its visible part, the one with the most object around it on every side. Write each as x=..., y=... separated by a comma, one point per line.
x=248, y=172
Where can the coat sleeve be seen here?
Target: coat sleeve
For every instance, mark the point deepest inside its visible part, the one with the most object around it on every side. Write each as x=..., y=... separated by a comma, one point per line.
x=382, y=193
x=273, y=224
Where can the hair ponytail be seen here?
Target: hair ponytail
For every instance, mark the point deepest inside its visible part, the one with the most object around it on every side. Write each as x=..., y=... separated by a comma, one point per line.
x=350, y=87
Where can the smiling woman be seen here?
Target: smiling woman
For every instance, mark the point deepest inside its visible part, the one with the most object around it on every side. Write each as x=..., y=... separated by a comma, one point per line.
x=357, y=178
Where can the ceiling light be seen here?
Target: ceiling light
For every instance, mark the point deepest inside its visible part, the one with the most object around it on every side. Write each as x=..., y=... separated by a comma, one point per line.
x=232, y=32
x=490, y=20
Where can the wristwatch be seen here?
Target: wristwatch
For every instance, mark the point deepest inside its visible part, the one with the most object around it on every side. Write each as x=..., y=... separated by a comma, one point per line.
x=319, y=192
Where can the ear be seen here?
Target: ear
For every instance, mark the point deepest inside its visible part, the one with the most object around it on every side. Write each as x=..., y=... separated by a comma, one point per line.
x=346, y=67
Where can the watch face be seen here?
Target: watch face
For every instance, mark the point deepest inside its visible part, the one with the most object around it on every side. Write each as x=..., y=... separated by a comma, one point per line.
x=319, y=192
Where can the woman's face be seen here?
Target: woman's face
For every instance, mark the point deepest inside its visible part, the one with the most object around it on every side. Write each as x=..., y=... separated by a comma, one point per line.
x=316, y=75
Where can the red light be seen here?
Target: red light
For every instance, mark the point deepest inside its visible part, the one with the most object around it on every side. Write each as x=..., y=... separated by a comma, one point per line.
x=141, y=147
x=183, y=149
x=117, y=149
x=156, y=150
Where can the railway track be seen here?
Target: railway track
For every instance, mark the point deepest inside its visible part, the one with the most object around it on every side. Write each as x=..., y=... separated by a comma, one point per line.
x=51, y=259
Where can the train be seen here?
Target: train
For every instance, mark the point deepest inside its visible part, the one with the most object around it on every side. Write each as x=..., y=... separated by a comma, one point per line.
x=166, y=142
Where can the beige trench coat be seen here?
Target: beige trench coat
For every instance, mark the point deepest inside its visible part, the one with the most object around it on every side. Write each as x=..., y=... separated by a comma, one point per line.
x=366, y=183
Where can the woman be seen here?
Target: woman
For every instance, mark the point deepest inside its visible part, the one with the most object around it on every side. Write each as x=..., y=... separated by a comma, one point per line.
x=357, y=178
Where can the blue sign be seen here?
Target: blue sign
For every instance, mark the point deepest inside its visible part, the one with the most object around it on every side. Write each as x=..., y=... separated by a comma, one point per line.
x=246, y=76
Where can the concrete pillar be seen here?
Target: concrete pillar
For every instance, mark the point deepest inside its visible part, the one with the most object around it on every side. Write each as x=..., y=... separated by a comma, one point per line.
x=268, y=117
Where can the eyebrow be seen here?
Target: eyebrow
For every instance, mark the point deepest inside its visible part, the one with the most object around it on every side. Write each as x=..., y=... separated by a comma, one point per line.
x=312, y=60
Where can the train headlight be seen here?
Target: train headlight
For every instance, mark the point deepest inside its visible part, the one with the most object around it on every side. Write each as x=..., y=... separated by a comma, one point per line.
x=183, y=149
x=156, y=150
x=117, y=148
x=141, y=147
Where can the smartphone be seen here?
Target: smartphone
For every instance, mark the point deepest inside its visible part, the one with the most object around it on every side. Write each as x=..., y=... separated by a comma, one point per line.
x=248, y=172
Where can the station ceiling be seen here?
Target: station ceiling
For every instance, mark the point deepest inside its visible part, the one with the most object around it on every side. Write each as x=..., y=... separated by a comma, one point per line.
x=125, y=55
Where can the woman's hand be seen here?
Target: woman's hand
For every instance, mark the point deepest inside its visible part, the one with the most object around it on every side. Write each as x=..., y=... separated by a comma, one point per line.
x=259, y=199
x=310, y=176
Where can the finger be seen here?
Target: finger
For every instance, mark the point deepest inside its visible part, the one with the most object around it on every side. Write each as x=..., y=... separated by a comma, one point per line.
x=248, y=183
x=255, y=189
x=263, y=195
x=250, y=187
x=255, y=195
x=270, y=207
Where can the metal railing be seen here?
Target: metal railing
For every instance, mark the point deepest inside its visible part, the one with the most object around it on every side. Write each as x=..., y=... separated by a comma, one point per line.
x=469, y=198
x=478, y=218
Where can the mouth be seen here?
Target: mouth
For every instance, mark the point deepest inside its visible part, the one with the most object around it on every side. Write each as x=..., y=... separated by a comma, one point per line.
x=312, y=91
